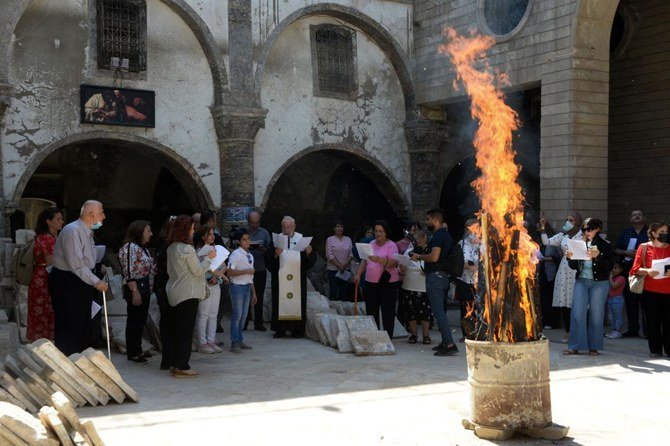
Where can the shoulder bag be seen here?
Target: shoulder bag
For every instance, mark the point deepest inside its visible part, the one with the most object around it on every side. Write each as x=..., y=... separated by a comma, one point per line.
x=635, y=281
x=143, y=284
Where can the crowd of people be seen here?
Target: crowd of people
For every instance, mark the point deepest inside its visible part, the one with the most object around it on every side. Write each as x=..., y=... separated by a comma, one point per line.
x=408, y=279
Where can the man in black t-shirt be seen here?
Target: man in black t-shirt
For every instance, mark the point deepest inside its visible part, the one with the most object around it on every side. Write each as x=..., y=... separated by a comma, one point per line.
x=437, y=279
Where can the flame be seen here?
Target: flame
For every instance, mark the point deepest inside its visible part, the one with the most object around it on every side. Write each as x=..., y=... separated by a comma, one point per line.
x=501, y=195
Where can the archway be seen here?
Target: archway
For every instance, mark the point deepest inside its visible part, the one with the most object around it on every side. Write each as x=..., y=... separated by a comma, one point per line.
x=131, y=179
x=321, y=186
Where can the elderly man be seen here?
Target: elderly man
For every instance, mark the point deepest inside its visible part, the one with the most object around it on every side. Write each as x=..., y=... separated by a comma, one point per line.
x=260, y=242
x=72, y=283
x=289, y=280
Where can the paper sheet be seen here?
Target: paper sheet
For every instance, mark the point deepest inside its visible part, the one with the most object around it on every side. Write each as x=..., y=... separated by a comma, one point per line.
x=578, y=248
x=95, y=307
x=631, y=247
x=280, y=240
x=661, y=266
x=221, y=256
x=364, y=250
x=403, y=260
x=346, y=275
x=302, y=244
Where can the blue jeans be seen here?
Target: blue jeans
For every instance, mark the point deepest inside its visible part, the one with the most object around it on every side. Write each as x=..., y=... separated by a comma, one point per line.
x=240, y=295
x=615, y=309
x=437, y=284
x=587, y=315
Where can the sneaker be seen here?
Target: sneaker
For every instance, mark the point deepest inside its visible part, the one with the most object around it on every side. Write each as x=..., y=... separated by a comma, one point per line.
x=548, y=327
x=244, y=346
x=447, y=351
x=235, y=348
x=614, y=335
x=207, y=349
x=439, y=346
x=216, y=348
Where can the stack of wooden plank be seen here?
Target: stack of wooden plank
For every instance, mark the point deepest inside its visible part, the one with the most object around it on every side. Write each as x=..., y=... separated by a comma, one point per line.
x=35, y=371
x=58, y=424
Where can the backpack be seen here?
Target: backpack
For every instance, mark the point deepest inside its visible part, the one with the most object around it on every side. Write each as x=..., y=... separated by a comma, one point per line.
x=454, y=261
x=24, y=262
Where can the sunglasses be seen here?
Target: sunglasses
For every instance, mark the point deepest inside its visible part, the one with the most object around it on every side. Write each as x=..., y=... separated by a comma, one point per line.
x=588, y=229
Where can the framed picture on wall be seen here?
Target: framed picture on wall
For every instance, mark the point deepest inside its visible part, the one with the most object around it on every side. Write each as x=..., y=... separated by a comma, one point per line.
x=117, y=106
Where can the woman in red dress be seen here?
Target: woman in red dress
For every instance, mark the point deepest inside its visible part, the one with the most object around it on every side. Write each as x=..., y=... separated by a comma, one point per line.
x=40, y=311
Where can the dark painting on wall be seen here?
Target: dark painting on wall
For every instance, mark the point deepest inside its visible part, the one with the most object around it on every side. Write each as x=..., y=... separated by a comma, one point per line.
x=117, y=106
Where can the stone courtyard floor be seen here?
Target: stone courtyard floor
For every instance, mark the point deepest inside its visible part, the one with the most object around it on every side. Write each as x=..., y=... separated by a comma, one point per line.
x=296, y=391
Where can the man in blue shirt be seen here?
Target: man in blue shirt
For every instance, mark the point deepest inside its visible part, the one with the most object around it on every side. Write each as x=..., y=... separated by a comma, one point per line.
x=626, y=246
x=437, y=279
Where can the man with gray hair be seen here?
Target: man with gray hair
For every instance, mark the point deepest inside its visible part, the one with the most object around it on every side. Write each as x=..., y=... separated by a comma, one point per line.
x=260, y=242
x=72, y=283
x=289, y=282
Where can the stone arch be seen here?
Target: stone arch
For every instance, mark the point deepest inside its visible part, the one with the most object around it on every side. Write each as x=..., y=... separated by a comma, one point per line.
x=180, y=7
x=120, y=139
x=592, y=27
x=370, y=27
x=369, y=165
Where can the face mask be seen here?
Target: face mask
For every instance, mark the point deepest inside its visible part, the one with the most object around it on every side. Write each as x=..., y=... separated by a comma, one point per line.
x=97, y=225
x=663, y=237
x=567, y=226
x=431, y=228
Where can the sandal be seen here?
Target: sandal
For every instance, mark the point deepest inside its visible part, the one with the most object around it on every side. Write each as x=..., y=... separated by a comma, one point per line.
x=571, y=352
x=427, y=340
x=594, y=353
x=412, y=339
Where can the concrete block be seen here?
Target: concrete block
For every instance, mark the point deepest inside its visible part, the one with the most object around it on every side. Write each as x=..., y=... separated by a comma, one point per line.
x=56, y=355
x=25, y=426
x=98, y=376
x=372, y=343
x=108, y=368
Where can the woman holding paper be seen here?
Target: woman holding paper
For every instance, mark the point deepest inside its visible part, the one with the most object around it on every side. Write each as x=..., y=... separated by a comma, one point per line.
x=591, y=289
x=414, y=290
x=339, y=257
x=208, y=309
x=564, y=283
x=138, y=269
x=381, y=277
x=185, y=289
x=656, y=291
x=241, y=273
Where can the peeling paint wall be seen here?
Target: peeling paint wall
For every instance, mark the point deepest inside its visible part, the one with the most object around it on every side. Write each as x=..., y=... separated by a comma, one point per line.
x=49, y=62
x=297, y=119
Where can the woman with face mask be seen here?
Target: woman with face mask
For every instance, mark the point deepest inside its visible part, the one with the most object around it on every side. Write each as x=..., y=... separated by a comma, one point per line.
x=564, y=283
x=656, y=291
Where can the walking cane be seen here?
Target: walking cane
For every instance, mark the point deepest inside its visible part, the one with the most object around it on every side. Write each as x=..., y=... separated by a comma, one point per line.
x=104, y=308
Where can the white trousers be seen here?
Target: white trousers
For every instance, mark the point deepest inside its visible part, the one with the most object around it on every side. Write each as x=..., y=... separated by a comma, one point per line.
x=205, y=327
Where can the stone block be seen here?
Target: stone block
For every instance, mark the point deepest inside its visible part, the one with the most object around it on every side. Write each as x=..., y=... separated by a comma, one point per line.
x=93, y=433
x=25, y=426
x=369, y=343
x=108, y=368
x=14, y=389
x=361, y=323
x=49, y=418
x=343, y=336
x=53, y=353
x=52, y=379
x=328, y=330
x=65, y=410
x=39, y=393
x=97, y=375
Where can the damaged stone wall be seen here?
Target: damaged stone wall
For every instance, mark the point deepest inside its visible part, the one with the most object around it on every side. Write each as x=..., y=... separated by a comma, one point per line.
x=297, y=120
x=49, y=60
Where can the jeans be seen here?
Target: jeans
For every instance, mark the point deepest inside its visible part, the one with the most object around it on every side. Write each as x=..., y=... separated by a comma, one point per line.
x=615, y=310
x=240, y=295
x=208, y=309
x=588, y=314
x=337, y=289
x=437, y=284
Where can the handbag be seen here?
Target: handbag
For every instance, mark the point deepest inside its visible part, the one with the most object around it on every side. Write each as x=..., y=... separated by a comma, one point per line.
x=635, y=281
x=143, y=284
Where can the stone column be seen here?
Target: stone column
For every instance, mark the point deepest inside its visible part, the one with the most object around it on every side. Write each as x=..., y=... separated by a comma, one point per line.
x=424, y=138
x=5, y=100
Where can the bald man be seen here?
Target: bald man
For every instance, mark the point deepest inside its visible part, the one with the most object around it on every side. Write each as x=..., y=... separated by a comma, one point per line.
x=72, y=283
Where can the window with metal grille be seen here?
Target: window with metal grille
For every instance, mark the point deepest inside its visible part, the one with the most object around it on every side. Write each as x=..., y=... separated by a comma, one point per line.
x=122, y=34
x=334, y=61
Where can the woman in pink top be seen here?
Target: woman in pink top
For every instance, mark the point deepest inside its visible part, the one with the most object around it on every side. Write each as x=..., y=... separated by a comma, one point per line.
x=339, y=257
x=381, y=277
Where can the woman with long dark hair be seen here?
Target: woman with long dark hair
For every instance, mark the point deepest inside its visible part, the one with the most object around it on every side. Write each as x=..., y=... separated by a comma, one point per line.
x=40, y=310
x=138, y=269
x=185, y=289
x=160, y=280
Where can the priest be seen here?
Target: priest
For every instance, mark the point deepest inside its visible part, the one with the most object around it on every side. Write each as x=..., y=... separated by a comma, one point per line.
x=289, y=281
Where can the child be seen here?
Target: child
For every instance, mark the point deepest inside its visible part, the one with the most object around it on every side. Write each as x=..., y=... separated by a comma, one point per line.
x=615, y=301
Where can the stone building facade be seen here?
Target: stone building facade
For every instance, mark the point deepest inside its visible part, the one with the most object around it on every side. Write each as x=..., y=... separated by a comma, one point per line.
x=247, y=115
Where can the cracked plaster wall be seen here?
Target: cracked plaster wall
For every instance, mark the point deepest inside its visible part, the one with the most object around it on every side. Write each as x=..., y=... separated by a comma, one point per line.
x=49, y=62
x=297, y=119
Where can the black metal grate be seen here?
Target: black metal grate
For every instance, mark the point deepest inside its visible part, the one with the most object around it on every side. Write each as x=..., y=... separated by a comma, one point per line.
x=335, y=51
x=122, y=33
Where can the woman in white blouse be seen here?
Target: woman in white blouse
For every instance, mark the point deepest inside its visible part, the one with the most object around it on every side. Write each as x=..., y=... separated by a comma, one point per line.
x=241, y=274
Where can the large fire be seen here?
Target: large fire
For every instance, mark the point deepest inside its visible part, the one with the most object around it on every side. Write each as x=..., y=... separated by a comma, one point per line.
x=509, y=260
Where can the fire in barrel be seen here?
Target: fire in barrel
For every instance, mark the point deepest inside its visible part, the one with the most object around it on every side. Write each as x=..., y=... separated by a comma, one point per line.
x=508, y=360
